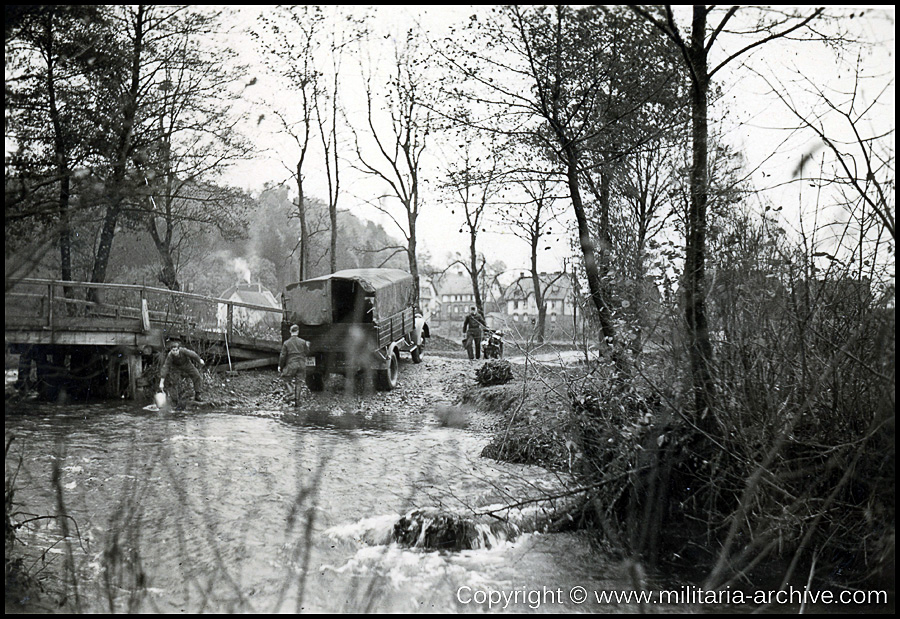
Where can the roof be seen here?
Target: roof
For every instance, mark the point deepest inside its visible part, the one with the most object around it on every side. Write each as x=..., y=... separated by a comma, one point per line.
x=453, y=283
x=371, y=279
x=560, y=288
x=253, y=298
x=253, y=294
x=315, y=301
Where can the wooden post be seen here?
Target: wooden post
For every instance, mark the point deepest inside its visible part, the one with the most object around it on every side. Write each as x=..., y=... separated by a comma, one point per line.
x=145, y=314
x=112, y=387
x=230, y=321
x=50, y=306
x=135, y=368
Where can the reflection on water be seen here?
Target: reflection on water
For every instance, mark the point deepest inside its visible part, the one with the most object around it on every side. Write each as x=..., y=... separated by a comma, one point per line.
x=231, y=511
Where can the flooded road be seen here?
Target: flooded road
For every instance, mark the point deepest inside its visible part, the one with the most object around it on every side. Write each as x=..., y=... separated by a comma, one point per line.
x=285, y=510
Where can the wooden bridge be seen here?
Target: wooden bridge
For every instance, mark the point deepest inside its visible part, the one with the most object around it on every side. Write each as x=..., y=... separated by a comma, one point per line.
x=69, y=341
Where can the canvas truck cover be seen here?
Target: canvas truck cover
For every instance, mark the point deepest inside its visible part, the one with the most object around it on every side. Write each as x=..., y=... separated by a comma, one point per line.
x=310, y=301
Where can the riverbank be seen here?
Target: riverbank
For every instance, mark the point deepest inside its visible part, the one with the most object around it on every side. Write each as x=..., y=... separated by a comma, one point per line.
x=441, y=392
x=225, y=477
x=530, y=420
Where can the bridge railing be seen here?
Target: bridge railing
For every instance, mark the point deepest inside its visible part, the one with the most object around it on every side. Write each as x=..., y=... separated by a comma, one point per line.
x=56, y=304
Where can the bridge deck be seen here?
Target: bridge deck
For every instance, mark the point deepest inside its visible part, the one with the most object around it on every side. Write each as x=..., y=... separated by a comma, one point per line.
x=47, y=317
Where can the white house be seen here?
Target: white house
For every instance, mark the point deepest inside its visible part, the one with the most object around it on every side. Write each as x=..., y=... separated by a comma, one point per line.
x=243, y=317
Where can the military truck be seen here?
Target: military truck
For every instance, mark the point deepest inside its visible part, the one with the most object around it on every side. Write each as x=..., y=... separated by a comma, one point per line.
x=357, y=322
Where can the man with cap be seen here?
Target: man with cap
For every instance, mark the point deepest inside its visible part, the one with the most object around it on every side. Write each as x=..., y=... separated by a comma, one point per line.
x=472, y=330
x=182, y=361
x=292, y=362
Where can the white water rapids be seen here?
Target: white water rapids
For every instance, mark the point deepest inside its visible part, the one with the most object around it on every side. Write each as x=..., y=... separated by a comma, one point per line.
x=232, y=511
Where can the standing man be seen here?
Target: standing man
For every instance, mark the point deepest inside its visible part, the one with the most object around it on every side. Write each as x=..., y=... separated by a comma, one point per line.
x=472, y=330
x=292, y=362
x=182, y=361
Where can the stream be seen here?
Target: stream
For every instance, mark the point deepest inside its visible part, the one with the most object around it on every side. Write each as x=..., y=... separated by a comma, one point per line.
x=283, y=511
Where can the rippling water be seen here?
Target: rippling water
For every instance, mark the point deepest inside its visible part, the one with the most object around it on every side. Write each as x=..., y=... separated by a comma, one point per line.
x=274, y=511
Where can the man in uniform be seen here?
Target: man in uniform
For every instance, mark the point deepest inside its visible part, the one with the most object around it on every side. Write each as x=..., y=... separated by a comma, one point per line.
x=182, y=361
x=472, y=330
x=292, y=362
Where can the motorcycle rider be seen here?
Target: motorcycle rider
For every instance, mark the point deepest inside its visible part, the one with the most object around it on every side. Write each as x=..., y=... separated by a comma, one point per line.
x=493, y=347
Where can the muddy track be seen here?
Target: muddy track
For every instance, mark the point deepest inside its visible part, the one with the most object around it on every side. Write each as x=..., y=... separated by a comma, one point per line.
x=428, y=391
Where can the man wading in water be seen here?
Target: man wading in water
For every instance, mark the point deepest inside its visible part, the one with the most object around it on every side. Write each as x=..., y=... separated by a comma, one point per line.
x=292, y=362
x=182, y=361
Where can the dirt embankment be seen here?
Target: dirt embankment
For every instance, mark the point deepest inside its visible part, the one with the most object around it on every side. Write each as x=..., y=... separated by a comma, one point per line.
x=526, y=418
x=438, y=386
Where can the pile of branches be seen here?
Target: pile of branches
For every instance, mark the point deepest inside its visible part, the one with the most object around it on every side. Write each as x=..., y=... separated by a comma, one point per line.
x=494, y=372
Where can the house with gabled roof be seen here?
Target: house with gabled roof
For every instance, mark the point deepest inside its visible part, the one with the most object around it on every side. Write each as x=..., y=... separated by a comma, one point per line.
x=252, y=294
x=429, y=302
x=521, y=310
x=455, y=295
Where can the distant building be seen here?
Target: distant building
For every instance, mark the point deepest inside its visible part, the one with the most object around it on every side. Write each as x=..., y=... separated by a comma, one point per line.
x=521, y=310
x=428, y=300
x=243, y=317
x=455, y=296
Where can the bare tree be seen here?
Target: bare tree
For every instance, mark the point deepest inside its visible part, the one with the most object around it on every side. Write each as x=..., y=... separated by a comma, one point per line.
x=194, y=141
x=473, y=184
x=399, y=143
x=562, y=80
x=295, y=47
x=345, y=30
x=863, y=155
x=531, y=221
x=695, y=54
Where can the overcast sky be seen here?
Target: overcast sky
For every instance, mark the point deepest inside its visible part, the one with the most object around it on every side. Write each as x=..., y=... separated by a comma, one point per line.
x=755, y=121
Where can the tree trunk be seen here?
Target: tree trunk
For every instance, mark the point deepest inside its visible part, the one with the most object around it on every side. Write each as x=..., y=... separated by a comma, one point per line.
x=301, y=214
x=65, y=231
x=473, y=274
x=699, y=347
x=115, y=188
x=168, y=276
x=538, y=296
x=411, y=254
x=591, y=268
x=332, y=213
x=62, y=164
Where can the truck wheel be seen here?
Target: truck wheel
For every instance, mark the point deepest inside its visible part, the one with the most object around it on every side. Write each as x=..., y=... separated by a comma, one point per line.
x=417, y=354
x=386, y=379
x=315, y=381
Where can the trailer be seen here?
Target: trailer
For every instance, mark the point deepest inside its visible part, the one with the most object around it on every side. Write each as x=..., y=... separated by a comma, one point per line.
x=357, y=322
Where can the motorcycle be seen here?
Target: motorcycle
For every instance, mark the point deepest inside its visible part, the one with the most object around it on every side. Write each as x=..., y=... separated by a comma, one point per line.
x=493, y=346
